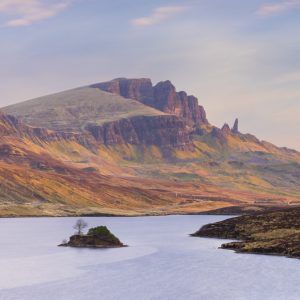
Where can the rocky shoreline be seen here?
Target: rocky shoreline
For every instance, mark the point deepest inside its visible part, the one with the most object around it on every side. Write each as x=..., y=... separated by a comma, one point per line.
x=273, y=233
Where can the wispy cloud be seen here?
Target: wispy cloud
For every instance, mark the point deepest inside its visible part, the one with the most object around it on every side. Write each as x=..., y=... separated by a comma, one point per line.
x=279, y=7
x=26, y=12
x=159, y=15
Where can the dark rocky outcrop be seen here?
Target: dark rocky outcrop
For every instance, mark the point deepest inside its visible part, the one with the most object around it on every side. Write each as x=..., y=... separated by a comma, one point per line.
x=235, y=128
x=276, y=233
x=163, y=131
x=226, y=129
x=98, y=237
x=220, y=135
x=162, y=96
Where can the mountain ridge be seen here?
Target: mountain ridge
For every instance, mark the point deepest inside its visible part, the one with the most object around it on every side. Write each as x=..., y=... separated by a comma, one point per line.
x=162, y=96
x=89, y=151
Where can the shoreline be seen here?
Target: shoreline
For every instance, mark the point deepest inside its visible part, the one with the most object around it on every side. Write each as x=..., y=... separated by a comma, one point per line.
x=271, y=233
x=112, y=216
x=226, y=211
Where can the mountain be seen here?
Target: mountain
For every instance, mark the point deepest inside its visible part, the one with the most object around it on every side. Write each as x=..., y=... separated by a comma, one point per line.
x=108, y=118
x=130, y=147
x=162, y=96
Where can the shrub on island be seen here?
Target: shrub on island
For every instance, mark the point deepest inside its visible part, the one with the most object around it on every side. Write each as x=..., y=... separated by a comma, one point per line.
x=97, y=237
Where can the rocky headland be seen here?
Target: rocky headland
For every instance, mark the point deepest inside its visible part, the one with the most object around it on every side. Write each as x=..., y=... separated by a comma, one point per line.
x=274, y=233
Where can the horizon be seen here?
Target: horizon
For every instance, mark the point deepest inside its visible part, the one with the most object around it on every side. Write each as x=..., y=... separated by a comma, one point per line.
x=240, y=59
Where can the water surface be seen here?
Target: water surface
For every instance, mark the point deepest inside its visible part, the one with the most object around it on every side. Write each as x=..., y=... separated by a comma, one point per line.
x=162, y=263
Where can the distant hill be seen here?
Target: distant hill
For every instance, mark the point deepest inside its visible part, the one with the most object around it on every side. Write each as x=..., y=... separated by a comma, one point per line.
x=127, y=146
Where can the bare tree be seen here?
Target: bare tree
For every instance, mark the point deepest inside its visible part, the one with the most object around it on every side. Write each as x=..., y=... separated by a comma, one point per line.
x=79, y=226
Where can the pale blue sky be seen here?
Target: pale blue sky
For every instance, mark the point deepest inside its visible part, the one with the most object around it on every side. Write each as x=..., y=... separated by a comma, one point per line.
x=240, y=58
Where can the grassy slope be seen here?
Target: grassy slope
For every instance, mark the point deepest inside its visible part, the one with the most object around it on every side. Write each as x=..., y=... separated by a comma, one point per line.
x=104, y=182
x=64, y=178
x=251, y=171
x=74, y=109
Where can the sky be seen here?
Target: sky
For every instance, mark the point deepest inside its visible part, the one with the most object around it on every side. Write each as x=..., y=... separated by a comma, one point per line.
x=240, y=58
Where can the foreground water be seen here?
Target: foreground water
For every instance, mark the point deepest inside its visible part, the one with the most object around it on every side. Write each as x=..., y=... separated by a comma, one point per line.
x=162, y=263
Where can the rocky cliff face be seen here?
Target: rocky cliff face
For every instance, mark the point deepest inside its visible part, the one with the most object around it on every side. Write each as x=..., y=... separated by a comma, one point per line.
x=162, y=96
x=162, y=131
x=11, y=126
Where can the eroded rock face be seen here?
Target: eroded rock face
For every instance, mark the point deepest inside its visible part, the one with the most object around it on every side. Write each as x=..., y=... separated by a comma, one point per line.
x=162, y=96
x=221, y=135
x=165, y=131
x=235, y=128
x=137, y=89
x=161, y=131
x=226, y=129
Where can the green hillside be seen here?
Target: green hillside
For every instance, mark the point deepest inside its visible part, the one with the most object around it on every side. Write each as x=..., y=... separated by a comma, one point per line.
x=74, y=109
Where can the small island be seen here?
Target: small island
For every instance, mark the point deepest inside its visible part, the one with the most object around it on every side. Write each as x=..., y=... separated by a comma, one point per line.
x=274, y=233
x=97, y=237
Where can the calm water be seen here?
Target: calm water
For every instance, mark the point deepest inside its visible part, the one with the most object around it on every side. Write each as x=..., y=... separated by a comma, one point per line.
x=162, y=263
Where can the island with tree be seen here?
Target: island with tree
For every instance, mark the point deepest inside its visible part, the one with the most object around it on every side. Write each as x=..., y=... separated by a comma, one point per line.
x=97, y=237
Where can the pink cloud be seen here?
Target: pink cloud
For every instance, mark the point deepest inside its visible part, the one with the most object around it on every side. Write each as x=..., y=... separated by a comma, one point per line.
x=158, y=15
x=279, y=7
x=26, y=12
